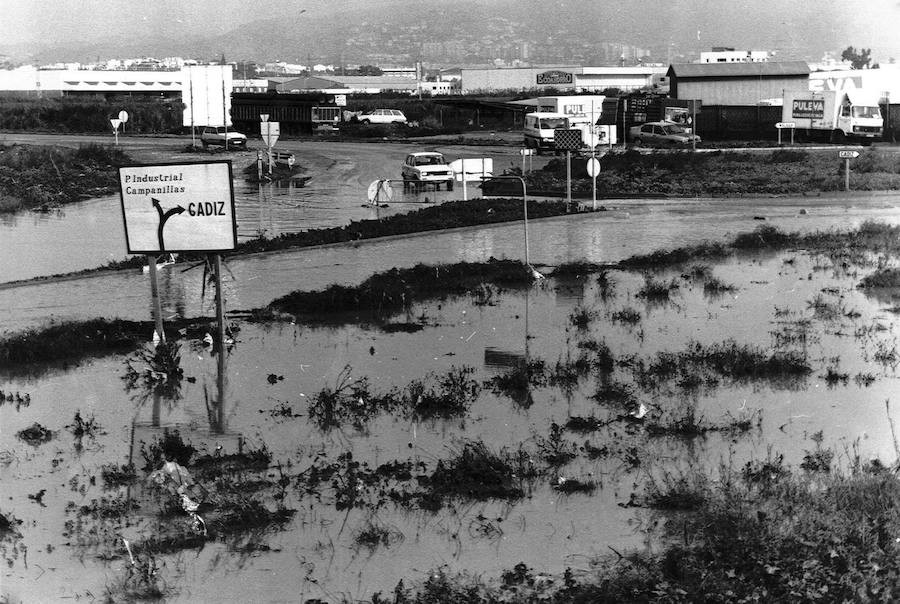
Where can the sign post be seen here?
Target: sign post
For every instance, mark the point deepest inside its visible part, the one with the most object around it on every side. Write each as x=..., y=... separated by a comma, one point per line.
x=115, y=124
x=593, y=169
x=568, y=140
x=270, y=132
x=530, y=154
x=785, y=125
x=181, y=207
x=847, y=156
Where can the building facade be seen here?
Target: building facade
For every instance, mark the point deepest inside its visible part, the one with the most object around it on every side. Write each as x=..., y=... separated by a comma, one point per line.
x=737, y=83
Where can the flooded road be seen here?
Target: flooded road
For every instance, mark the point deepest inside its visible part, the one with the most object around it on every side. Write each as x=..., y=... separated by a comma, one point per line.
x=628, y=228
x=89, y=234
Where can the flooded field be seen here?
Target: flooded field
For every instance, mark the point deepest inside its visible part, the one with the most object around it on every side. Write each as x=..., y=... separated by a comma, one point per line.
x=467, y=434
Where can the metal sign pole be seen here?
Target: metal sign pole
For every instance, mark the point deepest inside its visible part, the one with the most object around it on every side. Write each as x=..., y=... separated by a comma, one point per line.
x=847, y=174
x=220, y=303
x=568, y=178
x=463, y=175
x=154, y=297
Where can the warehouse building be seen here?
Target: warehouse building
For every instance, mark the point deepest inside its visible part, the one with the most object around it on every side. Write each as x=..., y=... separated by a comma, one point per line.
x=737, y=83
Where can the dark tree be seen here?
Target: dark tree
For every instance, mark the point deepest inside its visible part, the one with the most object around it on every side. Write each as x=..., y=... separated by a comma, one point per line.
x=858, y=59
x=369, y=70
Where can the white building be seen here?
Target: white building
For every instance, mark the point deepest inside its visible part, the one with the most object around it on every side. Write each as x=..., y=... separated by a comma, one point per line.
x=730, y=55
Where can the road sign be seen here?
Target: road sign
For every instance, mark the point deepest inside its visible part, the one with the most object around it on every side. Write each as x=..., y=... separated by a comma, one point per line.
x=593, y=167
x=270, y=132
x=123, y=115
x=782, y=125
x=472, y=168
x=526, y=151
x=380, y=190
x=848, y=154
x=185, y=207
x=115, y=124
x=264, y=117
x=567, y=139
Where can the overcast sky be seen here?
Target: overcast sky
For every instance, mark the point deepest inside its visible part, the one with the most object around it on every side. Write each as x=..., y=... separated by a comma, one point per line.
x=862, y=23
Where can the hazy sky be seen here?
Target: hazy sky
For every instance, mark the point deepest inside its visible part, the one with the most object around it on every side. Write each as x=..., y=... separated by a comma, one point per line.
x=862, y=23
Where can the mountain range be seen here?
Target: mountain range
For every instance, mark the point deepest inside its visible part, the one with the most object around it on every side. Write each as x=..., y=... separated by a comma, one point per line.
x=461, y=31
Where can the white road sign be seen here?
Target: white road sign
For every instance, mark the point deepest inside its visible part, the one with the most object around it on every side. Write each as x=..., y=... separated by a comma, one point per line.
x=123, y=115
x=178, y=207
x=848, y=154
x=270, y=132
x=593, y=167
x=115, y=124
x=782, y=125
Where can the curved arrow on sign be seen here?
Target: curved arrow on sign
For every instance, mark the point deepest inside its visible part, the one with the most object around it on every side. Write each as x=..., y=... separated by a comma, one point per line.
x=163, y=217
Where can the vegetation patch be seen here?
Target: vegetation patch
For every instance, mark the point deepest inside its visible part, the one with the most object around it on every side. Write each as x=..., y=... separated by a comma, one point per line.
x=38, y=177
x=35, y=434
x=886, y=277
x=71, y=339
x=714, y=173
x=700, y=364
x=476, y=472
x=386, y=293
x=352, y=401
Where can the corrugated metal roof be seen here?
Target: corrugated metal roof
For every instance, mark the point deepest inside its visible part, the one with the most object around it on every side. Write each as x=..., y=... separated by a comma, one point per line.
x=739, y=70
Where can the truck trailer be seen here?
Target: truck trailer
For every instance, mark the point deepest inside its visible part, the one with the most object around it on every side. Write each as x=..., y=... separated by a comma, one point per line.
x=834, y=115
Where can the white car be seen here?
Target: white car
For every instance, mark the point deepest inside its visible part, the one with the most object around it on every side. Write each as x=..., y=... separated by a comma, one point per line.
x=218, y=135
x=382, y=116
x=426, y=167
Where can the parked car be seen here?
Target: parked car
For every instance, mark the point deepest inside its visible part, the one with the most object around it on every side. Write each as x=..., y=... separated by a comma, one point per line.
x=661, y=133
x=217, y=135
x=382, y=116
x=426, y=167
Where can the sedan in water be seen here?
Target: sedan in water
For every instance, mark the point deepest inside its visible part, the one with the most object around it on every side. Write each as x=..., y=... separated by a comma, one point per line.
x=661, y=133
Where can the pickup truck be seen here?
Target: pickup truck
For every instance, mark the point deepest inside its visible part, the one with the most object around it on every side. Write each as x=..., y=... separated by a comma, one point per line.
x=217, y=135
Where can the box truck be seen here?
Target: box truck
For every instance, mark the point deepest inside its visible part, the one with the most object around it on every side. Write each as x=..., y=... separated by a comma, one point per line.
x=834, y=115
x=540, y=131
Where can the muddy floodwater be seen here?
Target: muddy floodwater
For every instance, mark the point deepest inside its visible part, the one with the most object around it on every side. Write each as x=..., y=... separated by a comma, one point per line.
x=344, y=502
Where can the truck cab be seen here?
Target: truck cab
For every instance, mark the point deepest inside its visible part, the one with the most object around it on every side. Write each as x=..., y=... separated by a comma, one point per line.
x=859, y=117
x=540, y=130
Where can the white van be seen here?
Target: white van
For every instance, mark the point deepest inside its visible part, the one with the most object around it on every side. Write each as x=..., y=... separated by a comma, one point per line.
x=540, y=127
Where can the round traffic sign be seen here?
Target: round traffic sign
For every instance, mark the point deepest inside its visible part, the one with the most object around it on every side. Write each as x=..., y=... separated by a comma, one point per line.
x=593, y=167
x=123, y=115
x=380, y=190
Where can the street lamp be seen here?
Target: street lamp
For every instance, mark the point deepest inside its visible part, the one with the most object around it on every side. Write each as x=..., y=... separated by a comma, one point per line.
x=525, y=215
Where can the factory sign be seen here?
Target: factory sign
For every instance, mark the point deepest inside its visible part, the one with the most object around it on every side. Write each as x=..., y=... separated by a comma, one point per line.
x=554, y=78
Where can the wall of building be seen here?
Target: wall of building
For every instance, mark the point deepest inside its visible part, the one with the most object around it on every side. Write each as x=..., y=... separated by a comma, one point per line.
x=739, y=91
x=596, y=79
x=884, y=81
x=522, y=78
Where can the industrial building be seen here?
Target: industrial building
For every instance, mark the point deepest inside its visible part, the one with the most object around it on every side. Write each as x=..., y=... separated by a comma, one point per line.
x=737, y=83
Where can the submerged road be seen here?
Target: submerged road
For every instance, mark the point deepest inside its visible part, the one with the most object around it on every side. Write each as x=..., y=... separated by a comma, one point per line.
x=629, y=228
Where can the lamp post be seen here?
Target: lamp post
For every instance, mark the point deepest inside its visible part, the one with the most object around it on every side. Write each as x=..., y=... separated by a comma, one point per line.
x=524, y=208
